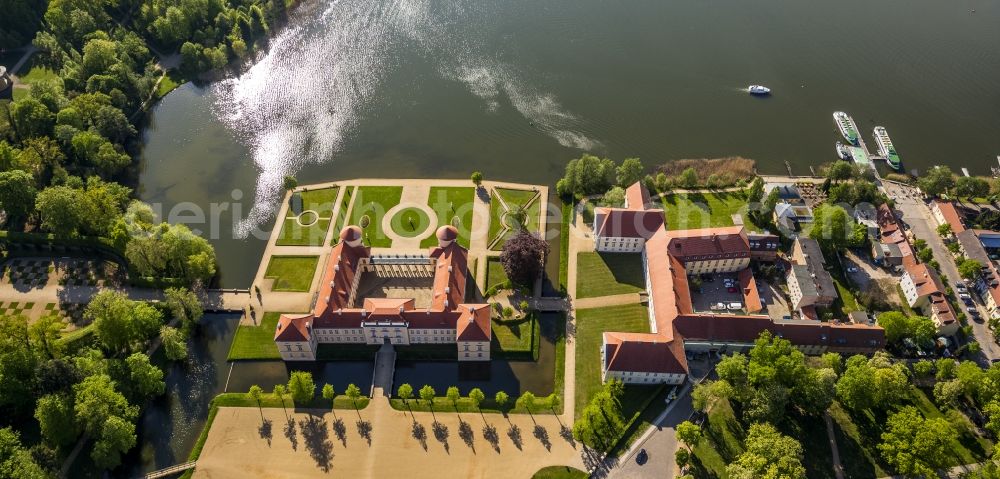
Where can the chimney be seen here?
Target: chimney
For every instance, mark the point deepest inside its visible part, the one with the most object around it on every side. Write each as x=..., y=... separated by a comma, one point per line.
x=364, y=312
x=336, y=267
x=340, y=311
x=447, y=289
x=400, y=310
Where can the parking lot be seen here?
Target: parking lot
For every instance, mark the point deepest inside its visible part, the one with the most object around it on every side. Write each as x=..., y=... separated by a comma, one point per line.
x=862, y=271
x=714, y=291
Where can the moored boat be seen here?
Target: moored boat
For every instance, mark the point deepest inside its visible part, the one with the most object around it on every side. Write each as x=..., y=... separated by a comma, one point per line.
x=846, y=126
x=886, y=148
x=843, y=152
x=758, y=90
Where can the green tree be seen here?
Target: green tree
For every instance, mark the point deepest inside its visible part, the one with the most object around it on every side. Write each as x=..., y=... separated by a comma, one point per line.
x=755, y=194
x=898, y=327
x=526, y=402
x=947, y=393
x=840, y=171
x=116, y=438
x=936, y=180
x=587, y=175
x=944, y=230
x=56, y=419
x=184, y=305
x=833, y=361
x=501, y=399
x=30, y=118
x=279, y=392
x=615, y=197
x=119, y=323
x=834, y=229
x=405, y=392
x=290, y=183
x=972, y=187
x=969, y=269
x=554, y=401
x=17, y=194
x=145, y=378
x=688, y=178
x=62, y=210
x=97, y=401
x=15, y=460
x=945, y=369
x=330, y=395
x=427, y=394
x=302, y=387
x=688, y=434
x=768, y=454
x=174, y=343
x=477, y=178
x=453, y=395
x=354, y=393
x=255, y=394
x=916, y=446
x=629, y=172
x=708, y=393
x=923, y=368
x=681, y=457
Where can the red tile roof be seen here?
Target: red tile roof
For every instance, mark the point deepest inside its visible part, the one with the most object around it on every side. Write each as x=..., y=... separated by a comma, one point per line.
x=748, y=286
x=643, y=352
x=637, y=197
x=951, y=216
x=293, y=327
x=474, y=323
x=628, y=223
x=449, y=276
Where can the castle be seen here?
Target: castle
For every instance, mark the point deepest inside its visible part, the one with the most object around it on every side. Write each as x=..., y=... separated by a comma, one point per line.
x=345, y=315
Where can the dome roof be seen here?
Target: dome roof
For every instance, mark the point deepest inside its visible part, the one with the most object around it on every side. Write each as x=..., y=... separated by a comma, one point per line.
x=350, y=233
x=447, y=233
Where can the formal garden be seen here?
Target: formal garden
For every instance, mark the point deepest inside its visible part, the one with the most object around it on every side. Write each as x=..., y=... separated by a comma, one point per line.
x=371, y=203
x=453, y=205
x=511, y=210
x=308, y=217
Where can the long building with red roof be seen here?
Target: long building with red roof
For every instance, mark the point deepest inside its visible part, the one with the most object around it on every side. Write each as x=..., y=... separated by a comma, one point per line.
x=669, y=258
x=336, y=318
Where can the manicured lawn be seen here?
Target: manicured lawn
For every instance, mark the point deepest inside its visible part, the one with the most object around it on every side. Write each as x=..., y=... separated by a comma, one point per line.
x=590, y=326
x=502, y=224
x=495, y=273
x=342, y=215
x=567, y=218
x=372, y=202
x=560, y=472
x=410, y=222
x=453, y=205
x=703, y=210
x=721, y=442
x=516, y=338
x=291, y=273
x=604, y=274
x=464, y=404
x=255, y=342
x=31, y=73
x=170, y=81
x=315, y=214
x=294, y=234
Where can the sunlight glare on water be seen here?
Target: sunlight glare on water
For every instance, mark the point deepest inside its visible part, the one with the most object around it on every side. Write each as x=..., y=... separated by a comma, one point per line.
x=307, y=94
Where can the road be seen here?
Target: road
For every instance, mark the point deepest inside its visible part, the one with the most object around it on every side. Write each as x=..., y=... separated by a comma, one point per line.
x=918, y=215
x=660, y=442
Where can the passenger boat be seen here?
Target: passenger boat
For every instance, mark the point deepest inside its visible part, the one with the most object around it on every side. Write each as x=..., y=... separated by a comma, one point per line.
x=758, y=90
x=846, y=126
x=886, y=149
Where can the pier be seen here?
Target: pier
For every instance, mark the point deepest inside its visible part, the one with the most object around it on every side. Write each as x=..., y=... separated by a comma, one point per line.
x=862, y=151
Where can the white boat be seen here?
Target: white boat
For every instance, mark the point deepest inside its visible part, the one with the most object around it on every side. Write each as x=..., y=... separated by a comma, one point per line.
x=758, y=90
x=843, y=152
x=846, y=126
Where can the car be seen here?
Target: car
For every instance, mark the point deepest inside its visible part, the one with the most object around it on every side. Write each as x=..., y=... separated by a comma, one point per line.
x=731, y=289
x=852, y=269
x=961, y=288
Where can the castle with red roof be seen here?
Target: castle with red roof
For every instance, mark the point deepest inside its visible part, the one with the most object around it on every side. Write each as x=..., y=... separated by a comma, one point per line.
x=669, y=258
x=337, y=318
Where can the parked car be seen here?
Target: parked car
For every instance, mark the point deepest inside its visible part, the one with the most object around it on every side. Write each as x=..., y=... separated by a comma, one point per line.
x=731, y=289
x=852, y=269
x=735, y=305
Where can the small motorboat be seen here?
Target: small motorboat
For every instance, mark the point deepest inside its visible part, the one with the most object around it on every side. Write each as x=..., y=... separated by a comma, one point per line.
x=758, y=90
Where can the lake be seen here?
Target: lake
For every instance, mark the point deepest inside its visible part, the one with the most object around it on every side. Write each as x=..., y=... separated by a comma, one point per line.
x=516, y=88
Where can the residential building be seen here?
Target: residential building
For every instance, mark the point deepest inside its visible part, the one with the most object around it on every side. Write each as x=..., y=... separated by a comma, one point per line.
x=891, y=234
x=809, y=283
x=988, y=285
x=945, y=212
x=923, y=290
x=338, y=318
x=676, y=327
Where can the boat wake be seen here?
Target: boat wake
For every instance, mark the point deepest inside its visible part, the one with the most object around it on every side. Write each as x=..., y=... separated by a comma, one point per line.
x=305, y=96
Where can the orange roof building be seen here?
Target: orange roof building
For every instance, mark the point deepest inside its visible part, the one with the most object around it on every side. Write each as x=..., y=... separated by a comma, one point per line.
x=676, y=327
x=339, y=316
